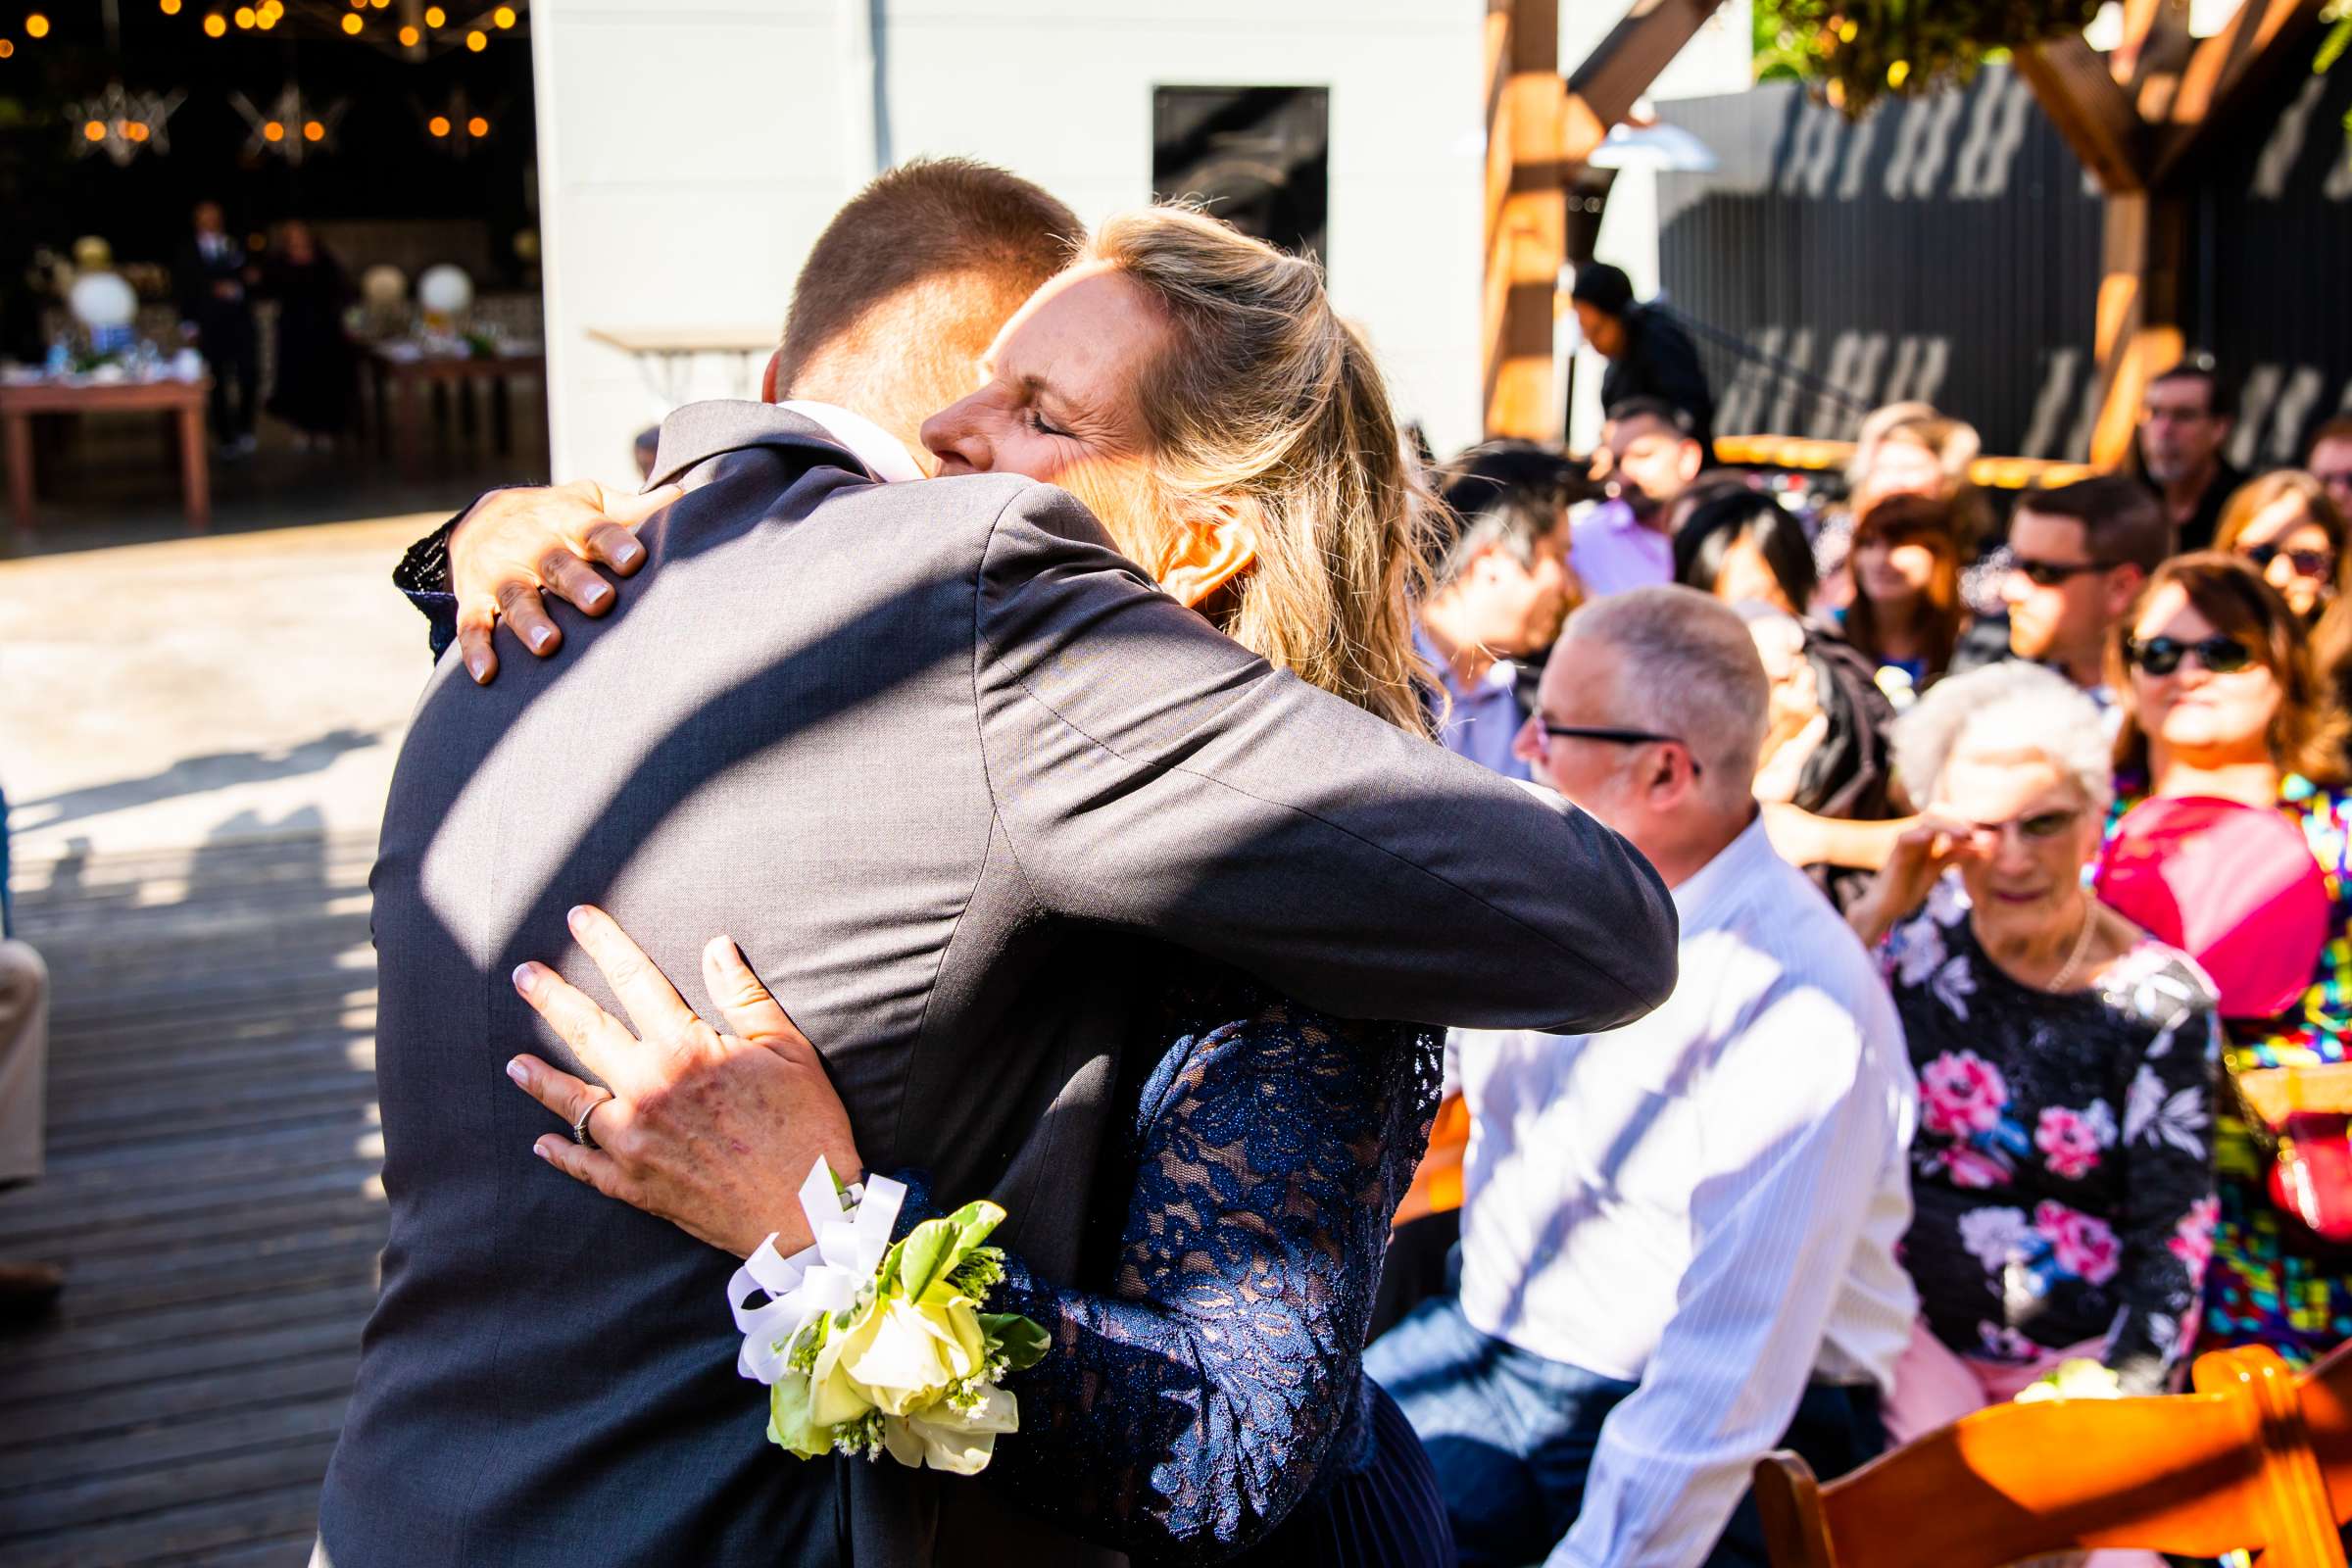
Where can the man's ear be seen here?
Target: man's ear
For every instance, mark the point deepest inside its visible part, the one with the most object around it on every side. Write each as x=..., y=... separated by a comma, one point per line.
x=1210, y=551
x=2123, y=584
x=768, y=390
x=1689, y=460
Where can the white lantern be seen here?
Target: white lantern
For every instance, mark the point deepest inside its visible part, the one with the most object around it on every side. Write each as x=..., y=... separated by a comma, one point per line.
x=383, y=286
x=100, y=300
x=445, y=290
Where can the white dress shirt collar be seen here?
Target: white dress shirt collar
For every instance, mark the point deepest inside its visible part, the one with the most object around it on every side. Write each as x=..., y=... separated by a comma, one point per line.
x=884, y=454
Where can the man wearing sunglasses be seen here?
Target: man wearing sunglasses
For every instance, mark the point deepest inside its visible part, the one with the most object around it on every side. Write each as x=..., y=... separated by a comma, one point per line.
x=2080, y=553
x=1678, y=1236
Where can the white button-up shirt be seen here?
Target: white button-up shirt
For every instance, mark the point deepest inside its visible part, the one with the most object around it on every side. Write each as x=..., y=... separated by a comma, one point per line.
x=1706, y=1201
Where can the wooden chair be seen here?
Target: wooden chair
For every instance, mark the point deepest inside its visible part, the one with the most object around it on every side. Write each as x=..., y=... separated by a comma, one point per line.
x=2228, y=1466
x=2326, y=1398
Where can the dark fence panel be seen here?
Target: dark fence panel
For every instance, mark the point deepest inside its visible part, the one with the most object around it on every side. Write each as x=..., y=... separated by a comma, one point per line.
x=1950, y=250
x=2270, y=290
x=1946, y=249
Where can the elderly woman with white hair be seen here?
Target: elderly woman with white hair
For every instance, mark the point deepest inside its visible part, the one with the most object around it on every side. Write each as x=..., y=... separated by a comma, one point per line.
x=2062, y=1174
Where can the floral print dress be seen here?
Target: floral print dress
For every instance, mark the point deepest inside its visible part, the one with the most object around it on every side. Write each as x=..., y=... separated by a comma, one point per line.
x=2274, y=1282
x=2061, y=1176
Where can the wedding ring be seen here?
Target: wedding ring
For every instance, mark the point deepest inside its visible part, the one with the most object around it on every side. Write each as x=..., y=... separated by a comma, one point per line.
x=580, y=1134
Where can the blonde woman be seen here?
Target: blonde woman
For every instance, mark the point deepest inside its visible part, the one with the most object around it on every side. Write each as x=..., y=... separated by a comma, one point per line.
x=1195, y=389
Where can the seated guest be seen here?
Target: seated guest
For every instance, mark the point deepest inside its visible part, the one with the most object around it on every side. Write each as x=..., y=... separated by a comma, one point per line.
x=1907, y=613
x=1624, y=542
x=1678, y=1236
x=1825, y=750
x=1502, y=586
x=2186, y=416
x=2330, y=461
x=2220, y=702
x=2062, y=1174
x=26, y=1288
x=1740, y=545
x=2291, y=532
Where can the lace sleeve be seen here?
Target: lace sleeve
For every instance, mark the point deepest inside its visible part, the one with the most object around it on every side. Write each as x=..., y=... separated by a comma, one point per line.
x=1184, y=1414
x=423, y=575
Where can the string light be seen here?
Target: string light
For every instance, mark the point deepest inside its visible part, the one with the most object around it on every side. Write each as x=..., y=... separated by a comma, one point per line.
x=95, y=130
x=136, y=130
x=8, y=46
x=504, y=16
x=477, y=41
x=438, y=125
x=477, y=127
x=274, y=131
x=170, y=8
x=312, y=131
x=36, y=26
x=434, y=16
x=352, y=25
x=409, y=37
x=244, y=15
x=214, y=25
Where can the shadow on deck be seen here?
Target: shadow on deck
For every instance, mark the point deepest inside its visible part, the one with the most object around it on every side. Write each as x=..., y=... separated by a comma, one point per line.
x=213, y=1193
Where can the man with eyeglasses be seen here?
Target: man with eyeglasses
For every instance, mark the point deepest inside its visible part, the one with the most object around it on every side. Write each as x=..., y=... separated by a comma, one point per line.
x=2184, y=419
x=2079, y=553
x=1678, y=1236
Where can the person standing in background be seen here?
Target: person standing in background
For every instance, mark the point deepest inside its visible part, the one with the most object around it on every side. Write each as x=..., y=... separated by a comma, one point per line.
x=1627, y=541
x=213, y=279
x=2184, y=419
x=313, y=386
x=1649, y=354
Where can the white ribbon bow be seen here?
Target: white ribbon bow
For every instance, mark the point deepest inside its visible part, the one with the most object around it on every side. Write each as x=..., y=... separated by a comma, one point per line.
x=853, y=1231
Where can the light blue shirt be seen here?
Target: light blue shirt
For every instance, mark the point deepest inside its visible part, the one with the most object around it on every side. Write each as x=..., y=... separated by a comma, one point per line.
x=1612, y=550
x=1484, y=719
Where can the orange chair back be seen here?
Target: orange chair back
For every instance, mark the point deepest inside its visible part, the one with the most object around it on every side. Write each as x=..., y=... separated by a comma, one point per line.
x=2327, y=1412
x=1438, y=1182
x=2228, y=1466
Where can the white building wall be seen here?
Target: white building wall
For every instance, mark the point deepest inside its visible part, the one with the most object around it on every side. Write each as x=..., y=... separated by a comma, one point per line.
x=691, y=151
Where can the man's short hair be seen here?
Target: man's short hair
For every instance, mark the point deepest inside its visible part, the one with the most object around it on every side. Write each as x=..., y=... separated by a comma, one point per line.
x=2221, y=398
x=1505, y=494
x=2338, y=428
x=2122, y=522
x=1686, y=667
x=938, y=253
x=1605, y=288
x=1648, y=408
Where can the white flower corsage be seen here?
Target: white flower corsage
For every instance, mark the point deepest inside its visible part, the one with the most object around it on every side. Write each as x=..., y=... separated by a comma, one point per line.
x=869, y=1346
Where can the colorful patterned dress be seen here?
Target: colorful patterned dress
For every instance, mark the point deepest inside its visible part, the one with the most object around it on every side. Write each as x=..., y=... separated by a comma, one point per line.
x=2272, y=1281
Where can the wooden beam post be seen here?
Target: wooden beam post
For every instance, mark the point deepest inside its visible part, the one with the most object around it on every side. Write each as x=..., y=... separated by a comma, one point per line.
x=2230, y=70
x=2139, y=327
x=2090, y=111
x=1527, y=215
x=1621, y=67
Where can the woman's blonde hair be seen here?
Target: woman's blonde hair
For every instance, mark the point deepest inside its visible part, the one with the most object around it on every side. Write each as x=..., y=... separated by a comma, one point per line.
x=1266, y=396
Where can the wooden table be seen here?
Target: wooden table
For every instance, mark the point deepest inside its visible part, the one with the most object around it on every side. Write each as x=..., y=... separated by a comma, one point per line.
x=21, y=401
x=404, y=378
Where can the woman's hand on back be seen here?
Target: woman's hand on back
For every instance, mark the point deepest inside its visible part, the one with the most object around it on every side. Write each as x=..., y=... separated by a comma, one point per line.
x=516, y=545
x=714, y=1133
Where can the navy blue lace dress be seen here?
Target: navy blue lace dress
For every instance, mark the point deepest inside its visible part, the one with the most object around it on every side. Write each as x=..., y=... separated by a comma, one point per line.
x=1211, y=1403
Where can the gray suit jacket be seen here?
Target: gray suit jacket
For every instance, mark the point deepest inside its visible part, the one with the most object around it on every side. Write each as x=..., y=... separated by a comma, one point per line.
x=941, y=762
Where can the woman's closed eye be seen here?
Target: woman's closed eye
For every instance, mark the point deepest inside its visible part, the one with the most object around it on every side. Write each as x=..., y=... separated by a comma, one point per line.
x=1036, y=420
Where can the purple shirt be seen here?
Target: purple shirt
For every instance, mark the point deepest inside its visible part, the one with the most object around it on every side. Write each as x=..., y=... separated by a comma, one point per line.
x=1612, y=551
x=1485, y=719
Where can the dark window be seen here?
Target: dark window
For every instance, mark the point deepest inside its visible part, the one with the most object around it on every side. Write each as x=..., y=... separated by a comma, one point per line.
x=1258, y=157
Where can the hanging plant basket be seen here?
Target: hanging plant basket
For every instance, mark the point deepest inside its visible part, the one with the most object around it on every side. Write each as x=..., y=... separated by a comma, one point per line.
x=1853, y=52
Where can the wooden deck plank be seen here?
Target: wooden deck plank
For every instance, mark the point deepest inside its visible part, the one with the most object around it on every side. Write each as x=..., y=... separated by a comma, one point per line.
x=214, y=1193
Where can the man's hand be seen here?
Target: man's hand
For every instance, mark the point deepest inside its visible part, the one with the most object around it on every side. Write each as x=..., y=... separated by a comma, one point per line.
x=516, y=544
x=713, y=1133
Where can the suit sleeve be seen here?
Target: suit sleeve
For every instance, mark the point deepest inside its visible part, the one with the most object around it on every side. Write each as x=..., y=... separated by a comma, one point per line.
x=1151, y=772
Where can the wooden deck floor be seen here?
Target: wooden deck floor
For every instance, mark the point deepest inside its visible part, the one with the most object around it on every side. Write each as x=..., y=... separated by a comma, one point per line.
x=213, y=1194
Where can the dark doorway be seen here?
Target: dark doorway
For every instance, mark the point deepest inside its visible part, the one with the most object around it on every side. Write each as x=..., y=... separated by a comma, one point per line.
x=1257, y=157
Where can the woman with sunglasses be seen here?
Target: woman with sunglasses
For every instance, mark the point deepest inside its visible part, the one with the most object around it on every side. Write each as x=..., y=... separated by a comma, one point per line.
x=2289, y=529
x=2219, y=700
x=2053, y=1220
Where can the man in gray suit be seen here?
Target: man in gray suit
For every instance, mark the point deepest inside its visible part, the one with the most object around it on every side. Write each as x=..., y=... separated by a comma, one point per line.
x=947, y=765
